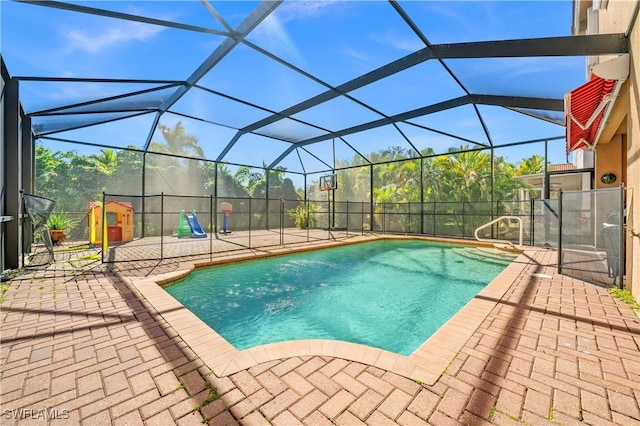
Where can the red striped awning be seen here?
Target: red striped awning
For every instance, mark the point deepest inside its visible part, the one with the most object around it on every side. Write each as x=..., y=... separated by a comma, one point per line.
x=584, y=109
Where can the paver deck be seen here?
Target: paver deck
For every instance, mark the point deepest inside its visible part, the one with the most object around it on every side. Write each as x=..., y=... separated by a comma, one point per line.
x=90, y=343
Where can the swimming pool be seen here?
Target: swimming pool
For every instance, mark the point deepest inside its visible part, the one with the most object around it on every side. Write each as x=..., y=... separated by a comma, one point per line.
x=390, y=294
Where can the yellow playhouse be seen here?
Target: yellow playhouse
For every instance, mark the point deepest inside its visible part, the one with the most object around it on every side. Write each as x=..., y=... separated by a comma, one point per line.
x=119, y=221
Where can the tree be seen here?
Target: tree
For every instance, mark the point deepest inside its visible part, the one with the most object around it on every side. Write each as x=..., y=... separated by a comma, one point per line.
x=106, y=162
x=172, y=173
x=176, y=166
x=228, y=185
x=531, y=166
x=178, y=142
x=281, y=186
x=432, y=176
x=49, y=166
x=127, y=179
x=249, y=179
x=465, y=176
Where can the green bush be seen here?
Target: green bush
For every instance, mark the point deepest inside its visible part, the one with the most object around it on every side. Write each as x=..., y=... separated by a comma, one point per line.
x=304, y=216
x=60, y=221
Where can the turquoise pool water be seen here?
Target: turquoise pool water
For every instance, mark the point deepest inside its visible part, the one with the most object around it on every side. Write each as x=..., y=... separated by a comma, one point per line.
x=391, y=294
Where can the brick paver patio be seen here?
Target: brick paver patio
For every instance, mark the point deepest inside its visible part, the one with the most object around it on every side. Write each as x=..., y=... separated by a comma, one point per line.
x=82, y=344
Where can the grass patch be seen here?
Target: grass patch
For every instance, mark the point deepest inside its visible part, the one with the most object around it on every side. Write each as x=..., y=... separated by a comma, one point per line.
x=446, y=369
x=10, y=274
x=493, y=412
x=3, y=291
x=213, y=395
x=625, y=296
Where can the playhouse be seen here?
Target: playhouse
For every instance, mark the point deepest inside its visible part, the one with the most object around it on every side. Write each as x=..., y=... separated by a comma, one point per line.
x=119, y=221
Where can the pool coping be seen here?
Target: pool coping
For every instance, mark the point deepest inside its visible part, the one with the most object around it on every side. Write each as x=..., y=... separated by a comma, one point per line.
x=426, y=364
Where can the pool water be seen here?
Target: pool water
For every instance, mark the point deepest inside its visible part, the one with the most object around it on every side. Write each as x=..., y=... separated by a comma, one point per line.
x=390, y=294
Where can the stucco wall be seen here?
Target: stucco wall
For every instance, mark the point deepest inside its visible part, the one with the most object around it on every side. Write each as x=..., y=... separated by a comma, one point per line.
x=633, y=166
x=616, y=19
x=610, y=158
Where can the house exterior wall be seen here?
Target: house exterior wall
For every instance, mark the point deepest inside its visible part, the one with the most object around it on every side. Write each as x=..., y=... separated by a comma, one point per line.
x=633, y=166
x=610, y=158
x=623, y=147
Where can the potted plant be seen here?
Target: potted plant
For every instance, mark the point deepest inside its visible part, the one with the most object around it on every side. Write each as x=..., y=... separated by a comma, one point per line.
x=58, y=223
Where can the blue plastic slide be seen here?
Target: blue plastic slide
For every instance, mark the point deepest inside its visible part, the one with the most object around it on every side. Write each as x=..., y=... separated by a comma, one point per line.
x=194, y=224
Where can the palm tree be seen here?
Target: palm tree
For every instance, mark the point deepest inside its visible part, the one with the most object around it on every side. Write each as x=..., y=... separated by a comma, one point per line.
x=279, y=185
x=363, y=183
x=531, y=166
x=504, y=185
x=174, y=175
x=248, y=178
x=179, y=142
x=432, y=177
x=408, y=178
x=106, y=162
x=228, y=185
x=127, y=179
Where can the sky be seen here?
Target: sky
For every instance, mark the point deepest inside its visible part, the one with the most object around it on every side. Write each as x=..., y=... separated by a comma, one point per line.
x=324, y=43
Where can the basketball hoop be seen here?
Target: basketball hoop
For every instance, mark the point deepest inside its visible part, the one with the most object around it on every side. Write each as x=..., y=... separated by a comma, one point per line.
x=328, y=182
x=226, y=209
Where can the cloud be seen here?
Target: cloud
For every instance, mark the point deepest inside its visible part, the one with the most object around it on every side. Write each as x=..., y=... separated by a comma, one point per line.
x=272, y=35
x=97, y=41
x=446, y=11
x=74, y=92
x=515, y=67
x=393, y=39
x=356, y=54
x=45, y=95
x=297, y=10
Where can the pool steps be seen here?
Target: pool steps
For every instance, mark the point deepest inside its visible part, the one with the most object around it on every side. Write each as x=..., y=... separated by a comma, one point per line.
x=486, y=254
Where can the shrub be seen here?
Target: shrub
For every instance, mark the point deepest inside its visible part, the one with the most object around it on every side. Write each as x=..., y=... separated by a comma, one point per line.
x=304, y=215
x=60, y=221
